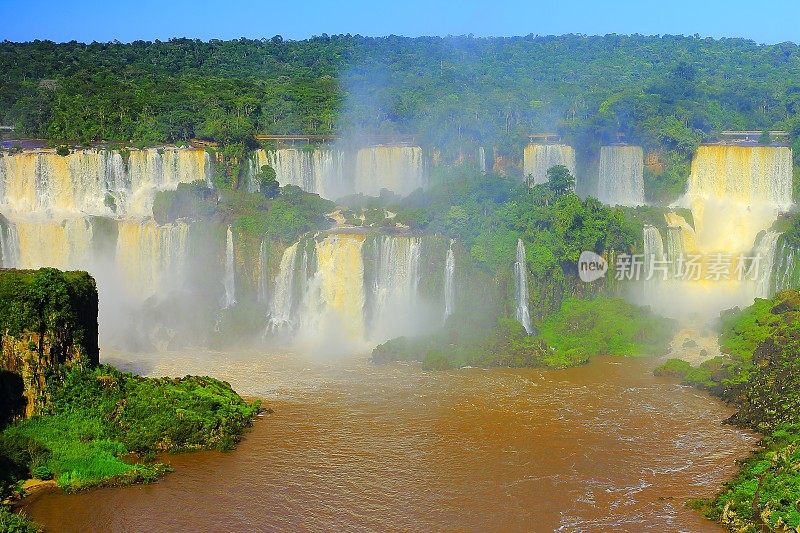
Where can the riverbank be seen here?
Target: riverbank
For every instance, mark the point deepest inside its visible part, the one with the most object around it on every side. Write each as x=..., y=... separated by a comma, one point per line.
x=759, y=374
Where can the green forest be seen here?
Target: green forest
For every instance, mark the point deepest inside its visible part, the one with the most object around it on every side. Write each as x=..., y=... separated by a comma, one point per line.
x=667, y=91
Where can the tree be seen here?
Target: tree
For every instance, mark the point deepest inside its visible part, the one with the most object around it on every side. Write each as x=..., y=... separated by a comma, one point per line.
x=559, y=180
x=268, y=183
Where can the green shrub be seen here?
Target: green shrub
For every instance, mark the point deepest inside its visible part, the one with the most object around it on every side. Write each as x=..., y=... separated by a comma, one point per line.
x=11, y=522
x=98, y=415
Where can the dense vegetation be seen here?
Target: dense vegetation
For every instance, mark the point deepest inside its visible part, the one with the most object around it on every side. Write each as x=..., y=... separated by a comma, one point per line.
x=454, y=93
x=487, y=214
x=658, y=90
x=579, y=330
x=760, y=375
x=93, y=425
x=59, y=305
x=99, y=415
x=285, y=216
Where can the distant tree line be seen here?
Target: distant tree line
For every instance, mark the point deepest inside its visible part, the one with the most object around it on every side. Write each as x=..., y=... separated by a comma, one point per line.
x=454, y=92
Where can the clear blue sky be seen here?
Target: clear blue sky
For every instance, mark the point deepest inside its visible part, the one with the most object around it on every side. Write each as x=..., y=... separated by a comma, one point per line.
x=105, y=20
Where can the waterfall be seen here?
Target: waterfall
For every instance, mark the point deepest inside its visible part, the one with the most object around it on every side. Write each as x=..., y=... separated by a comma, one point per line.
x=263, y=271
x=539, y=158
x=621, y=175
x=94, y=181
x=397, y=168
x=737, y=191
x=9, y=244
x=653, y=252
x=352, y=287
x=151, y=258
x=282, y=308
x=63, y=244
x=393, y=297
x=449, y=283
x=747, y=174
x=521, y=274
x=765, y=251
x=482, y=159
x=334, y=298
x=230, y=273
x=676, y=248
x=319, y=170
x=784, y=275
x=322, y=170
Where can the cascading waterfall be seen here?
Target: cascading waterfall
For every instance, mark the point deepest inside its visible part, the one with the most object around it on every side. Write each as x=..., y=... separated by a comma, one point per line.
x=734, y=193
x=653, y=254
x=350, y=288
x=63, y=244
x=9, y=244
x=151, y=257
x=334, y=299
x=765, y=251
x=449, y=282
x=95, y=182
x=521, y=275
x=393, y=295
x=334, y=172
x=397, y=168
x=319, y=170
x=539, y=158
x=282, y=308
x=230, y=273
x=785, y=274
x=482, y=159
x=676, y=248
x=621, y=175
x=737, y=191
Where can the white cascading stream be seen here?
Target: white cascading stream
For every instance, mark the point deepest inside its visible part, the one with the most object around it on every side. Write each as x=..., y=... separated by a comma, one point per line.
x=621, y=175
x=784, y=276
x=521, y=276
x=95, y=182
x=230, y=271
x=398, y=168
x=394, y=295
x=539, y=158
x=766, y=252
x=449, y=282
x=653, y=253
x=282, y=307
x=319, y=170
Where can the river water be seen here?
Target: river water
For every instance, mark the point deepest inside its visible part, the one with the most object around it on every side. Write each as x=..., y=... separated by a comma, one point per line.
x=357, y=447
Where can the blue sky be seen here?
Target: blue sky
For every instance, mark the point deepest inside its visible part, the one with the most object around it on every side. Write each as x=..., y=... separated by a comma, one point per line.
x=63, y=20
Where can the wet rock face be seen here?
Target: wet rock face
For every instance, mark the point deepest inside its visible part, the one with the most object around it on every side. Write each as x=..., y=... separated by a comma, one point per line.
x=48, y=321
x=25, y=362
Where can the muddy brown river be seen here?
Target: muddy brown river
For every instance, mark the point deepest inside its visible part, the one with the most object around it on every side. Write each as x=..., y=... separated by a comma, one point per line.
x=357, y=447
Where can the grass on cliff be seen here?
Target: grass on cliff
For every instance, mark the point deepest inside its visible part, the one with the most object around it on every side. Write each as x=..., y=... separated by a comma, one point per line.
x=103, y=422
x=760, y=375
x=580, y=330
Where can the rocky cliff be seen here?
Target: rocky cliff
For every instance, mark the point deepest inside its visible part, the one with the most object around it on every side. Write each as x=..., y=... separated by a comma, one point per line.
x=48, y=321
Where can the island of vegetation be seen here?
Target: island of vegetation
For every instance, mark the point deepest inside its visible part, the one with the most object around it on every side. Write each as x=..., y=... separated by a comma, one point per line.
x=65, y=418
